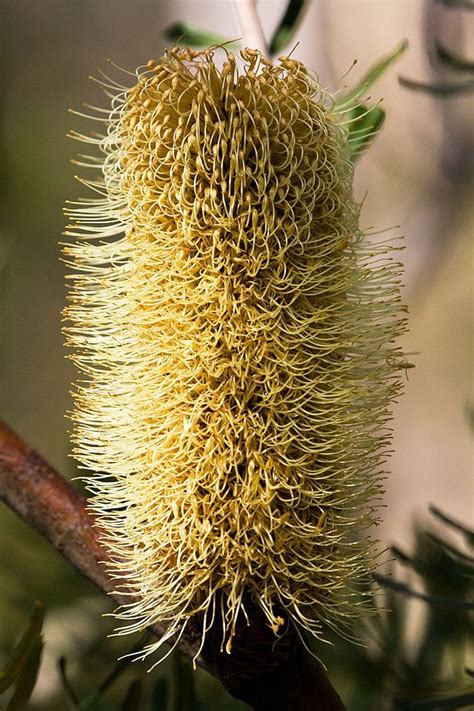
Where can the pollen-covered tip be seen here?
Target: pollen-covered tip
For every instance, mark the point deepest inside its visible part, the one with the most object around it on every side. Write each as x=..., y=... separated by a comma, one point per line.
x=235, y=333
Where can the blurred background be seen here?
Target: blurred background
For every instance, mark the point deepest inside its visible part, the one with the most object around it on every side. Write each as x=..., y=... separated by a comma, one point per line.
x=417, y=177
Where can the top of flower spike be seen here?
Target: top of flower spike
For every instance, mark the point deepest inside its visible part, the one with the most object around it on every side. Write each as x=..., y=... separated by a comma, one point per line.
x=212, y=143
x=179, y=62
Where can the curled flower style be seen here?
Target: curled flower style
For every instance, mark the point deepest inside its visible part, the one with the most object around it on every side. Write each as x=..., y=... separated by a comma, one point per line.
x=235, y=330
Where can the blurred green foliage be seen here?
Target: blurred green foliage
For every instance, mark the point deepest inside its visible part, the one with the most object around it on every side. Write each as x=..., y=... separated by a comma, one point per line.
x=186, y=34
x=21, y=670
x=287, y=26
x=394, y=669
x=364, y=121
x=449, y=59
x=397, y=669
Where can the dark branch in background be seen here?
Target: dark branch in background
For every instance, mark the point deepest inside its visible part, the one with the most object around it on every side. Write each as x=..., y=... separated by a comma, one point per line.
x=449, y=80
x=404, y=589
x=267, y=675
x=462, y=701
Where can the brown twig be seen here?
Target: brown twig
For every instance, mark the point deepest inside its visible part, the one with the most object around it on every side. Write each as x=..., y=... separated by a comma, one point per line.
x=51, y=506
x=54, y=508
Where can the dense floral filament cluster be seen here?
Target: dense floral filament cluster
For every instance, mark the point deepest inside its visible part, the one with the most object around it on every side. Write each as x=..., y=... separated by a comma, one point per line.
x=236, y=336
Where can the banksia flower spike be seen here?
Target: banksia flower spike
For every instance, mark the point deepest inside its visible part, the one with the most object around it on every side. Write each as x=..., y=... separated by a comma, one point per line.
x=236, y=334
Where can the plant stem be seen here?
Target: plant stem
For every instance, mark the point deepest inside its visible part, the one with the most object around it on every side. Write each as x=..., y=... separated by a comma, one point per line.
x=250, y=25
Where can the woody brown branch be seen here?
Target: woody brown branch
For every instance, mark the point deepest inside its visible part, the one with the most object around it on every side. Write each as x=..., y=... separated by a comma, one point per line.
x=54, y=508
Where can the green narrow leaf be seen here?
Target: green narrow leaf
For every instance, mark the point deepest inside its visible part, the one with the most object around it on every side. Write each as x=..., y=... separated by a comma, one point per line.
x=440, y=88
x=195, y=37
x=22, y=651
x=395, y=624
x=468, y=533
x=183, y=684
x=403, y=589
x=374, y=73
x=160, y=695
x=133, y=697
x=464, y=561
x=466, y=4
x=27, y=679
x=402, y=556
x=453, y=60
x=364, y=122
x=113, y=675
x=287, y=26
x=70, y=693
x=462, y=701
x=469, y=410
x=364, y=126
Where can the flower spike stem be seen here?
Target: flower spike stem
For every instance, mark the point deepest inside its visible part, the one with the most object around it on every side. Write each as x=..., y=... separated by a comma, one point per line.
x=50, y=505
x=250, y=25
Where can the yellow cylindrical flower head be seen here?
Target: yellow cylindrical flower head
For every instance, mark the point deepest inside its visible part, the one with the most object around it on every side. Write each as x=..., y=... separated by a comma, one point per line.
x=235, y=330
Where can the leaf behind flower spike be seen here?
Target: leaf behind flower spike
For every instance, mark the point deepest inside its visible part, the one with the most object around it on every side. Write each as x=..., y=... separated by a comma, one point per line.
x=453, y=60
x=468, y=533
x=287, y=26
x=440, y=88
x=133, y=697
x=435, y=703
x=365, y=125
x=466, y=4
x=27, y=679
x=363, y=121
x=186, y=34
x=374, y=73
